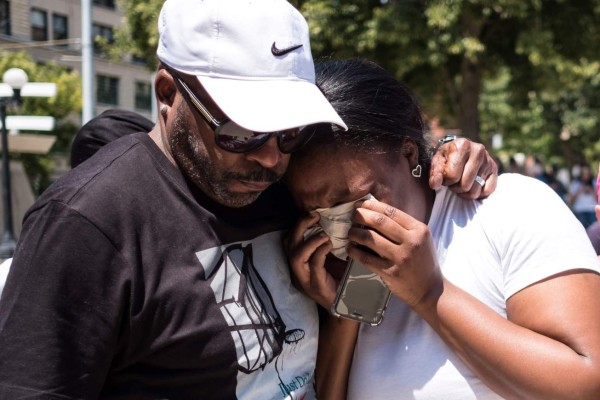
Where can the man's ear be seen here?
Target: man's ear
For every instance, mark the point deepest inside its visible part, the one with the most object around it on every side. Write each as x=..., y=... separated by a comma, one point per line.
x=597, y=209
x=165, y=88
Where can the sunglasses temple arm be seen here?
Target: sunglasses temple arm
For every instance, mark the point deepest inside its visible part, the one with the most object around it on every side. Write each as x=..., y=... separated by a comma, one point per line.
x=207, y=115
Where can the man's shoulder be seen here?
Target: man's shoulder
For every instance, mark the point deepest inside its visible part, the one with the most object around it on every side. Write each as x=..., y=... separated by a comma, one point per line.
x=113, y=169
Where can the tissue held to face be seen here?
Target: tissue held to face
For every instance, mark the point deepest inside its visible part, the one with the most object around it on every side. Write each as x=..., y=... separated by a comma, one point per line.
x=336, y=222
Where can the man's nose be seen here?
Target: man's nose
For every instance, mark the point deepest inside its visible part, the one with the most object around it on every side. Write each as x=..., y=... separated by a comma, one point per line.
x=268, y=155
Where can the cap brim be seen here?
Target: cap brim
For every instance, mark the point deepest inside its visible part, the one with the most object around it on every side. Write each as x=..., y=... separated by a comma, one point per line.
x=269, y=106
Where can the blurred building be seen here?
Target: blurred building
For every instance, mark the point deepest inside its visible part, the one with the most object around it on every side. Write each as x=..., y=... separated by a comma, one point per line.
x=51, y=30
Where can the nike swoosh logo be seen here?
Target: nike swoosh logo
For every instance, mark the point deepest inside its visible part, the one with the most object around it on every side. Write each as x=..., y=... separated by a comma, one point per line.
x=281, y=52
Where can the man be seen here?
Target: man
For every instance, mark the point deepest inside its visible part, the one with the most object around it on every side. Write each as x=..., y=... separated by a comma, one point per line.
x=154, y=269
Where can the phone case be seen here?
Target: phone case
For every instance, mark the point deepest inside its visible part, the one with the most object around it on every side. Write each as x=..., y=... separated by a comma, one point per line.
x=362, y=295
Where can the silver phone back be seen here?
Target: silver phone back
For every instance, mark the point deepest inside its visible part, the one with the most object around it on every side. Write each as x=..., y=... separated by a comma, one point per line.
x=361, y=296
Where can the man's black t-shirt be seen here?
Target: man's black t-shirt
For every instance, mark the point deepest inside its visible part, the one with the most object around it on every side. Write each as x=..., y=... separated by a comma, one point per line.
x=128, y=283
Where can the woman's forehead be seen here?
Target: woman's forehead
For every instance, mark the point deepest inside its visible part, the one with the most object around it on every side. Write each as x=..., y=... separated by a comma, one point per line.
x=326, y=180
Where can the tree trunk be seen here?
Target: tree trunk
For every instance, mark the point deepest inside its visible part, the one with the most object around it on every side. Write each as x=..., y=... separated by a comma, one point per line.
x=469, y=99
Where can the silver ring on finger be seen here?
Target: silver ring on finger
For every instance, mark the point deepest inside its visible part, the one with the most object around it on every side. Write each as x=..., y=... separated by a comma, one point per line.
x=480, y=180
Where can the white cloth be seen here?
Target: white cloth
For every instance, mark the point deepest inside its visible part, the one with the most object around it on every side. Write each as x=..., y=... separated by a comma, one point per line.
x=492, y=249
x=336, y=222
x=4, y=267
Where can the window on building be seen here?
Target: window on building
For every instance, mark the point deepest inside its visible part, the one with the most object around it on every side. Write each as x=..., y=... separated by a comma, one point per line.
x=5, y=17
x=105, y=3
x=60, y=27
x=138, y=59
x=103, y=31
x=107, y=90
x=39, y=24
x=143, y=96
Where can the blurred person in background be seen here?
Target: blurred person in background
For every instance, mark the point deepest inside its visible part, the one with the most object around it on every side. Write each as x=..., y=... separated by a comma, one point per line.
x=513, y=166
x=593, y=230
x=582, y=197
x=549, y=177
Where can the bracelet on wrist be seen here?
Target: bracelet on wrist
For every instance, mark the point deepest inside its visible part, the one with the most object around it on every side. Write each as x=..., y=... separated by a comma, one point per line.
x=444, y=140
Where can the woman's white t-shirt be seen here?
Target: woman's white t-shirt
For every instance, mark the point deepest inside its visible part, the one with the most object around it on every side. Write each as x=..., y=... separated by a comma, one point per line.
x=492, y=249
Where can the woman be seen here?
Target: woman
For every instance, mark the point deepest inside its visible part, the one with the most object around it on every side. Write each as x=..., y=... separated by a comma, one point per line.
x=490, y=298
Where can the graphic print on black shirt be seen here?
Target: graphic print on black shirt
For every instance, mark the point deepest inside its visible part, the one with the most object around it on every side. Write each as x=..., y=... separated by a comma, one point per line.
x=259, y=332
x=248, y=308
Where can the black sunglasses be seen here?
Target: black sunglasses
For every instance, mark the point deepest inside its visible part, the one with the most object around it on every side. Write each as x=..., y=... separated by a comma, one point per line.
x=231, y=137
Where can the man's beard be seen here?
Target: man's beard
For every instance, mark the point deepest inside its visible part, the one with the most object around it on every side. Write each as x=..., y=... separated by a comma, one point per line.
x=191, y=156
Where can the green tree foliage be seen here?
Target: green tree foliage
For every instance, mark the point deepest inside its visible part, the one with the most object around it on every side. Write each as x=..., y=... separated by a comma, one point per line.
x=531, y=60
x=67, y=101
x=139, y=35
x=526, y=69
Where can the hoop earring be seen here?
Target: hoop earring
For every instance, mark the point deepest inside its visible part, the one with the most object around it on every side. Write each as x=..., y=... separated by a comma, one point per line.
x=416, y=172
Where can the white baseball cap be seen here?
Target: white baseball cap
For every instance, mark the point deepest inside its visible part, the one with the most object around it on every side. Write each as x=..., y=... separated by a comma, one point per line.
x=252, y=56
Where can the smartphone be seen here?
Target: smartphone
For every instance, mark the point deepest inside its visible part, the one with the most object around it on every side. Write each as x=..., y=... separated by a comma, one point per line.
x=361, y=296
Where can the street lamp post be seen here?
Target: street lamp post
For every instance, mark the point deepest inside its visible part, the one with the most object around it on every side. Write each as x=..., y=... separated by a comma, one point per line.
x=16, y=78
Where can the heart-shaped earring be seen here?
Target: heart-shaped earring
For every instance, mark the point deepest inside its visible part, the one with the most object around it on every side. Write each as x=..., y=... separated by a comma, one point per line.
x=416, y=172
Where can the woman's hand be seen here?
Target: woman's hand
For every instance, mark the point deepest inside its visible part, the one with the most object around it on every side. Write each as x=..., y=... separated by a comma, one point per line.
x=307, y=260
x=407, y=260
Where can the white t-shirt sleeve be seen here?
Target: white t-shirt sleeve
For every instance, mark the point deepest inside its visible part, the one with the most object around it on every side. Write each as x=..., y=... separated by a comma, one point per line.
x=538, y=234
x=4, y=267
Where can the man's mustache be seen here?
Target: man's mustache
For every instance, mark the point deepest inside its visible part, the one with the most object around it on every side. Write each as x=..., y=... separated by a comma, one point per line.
x=265, y=175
